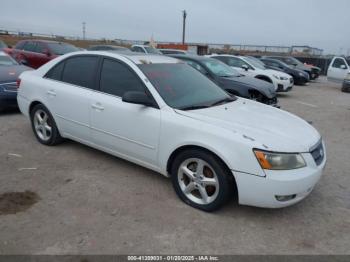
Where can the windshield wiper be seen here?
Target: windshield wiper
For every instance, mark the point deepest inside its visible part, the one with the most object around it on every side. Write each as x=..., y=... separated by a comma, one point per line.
x=194, y=107
x=224, y=101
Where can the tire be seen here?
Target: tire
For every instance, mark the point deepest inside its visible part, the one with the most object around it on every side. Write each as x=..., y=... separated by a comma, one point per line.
x=45, y=130
x=213, y=182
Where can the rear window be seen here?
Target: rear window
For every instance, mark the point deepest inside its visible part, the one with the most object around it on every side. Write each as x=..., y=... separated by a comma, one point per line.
x=61, y=48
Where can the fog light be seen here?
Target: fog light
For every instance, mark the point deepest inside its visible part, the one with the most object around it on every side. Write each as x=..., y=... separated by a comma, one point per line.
x=285, y=198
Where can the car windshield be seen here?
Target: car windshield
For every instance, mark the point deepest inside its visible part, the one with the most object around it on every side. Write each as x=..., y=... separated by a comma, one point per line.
x=7, y=61
x=2, y=44
x=256, y=63
x=152, y=50
x=62, y=48
x=219, y=68
x=183, y=87
x=292, y=61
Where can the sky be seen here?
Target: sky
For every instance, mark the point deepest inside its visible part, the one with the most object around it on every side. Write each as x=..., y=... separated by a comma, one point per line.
x=318, y=23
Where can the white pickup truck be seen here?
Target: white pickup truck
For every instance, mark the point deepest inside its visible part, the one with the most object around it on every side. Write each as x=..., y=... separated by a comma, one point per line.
x=338, y=69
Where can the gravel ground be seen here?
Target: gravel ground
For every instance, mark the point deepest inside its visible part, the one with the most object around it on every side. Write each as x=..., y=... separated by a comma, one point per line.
x=89, y=202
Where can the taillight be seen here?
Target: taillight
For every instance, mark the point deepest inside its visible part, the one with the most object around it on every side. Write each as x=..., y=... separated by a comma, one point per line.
x=18, y=82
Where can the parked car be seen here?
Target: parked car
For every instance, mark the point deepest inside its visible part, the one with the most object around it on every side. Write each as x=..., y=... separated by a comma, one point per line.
x=145, y=49
x=232, y=81
x=168, y=117
x=107, y=48
x=35, y=53
x=346, y=84
x=313, y=71
x=172, y=51
x=9, y=72
x=250, y=67
x=2, y=45
x=338, y=69
x=300, y=77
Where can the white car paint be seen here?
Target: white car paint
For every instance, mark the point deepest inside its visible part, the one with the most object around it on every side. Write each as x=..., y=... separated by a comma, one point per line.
x=338, y=69
x=278, y=78
x=148, y=136
x=145, y=49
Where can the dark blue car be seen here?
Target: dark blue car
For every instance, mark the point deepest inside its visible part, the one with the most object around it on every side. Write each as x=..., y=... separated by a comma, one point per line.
x=9, y=72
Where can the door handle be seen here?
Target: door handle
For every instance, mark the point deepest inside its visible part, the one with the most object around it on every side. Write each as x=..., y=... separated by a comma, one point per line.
x=98, y=107
x=51, y=93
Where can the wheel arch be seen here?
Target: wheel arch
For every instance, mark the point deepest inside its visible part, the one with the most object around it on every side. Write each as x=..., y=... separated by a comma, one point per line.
x=264, y=78
x=198, y=147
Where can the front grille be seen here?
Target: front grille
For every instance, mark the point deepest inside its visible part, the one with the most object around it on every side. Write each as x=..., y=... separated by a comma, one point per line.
x=9, y=87
x=317, y=153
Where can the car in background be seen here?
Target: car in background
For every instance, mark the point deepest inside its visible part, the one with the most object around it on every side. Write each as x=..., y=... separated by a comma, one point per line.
x=338, y=69
x=313, y=71
x=9, y=72
x=35, y=53
x=3, y=45
x=146, y=49
x=172, y=52
x=300, y=77
x=107, y=48
x=250, y=67
x=232, y=81
x=168, y=117
x=346, y=84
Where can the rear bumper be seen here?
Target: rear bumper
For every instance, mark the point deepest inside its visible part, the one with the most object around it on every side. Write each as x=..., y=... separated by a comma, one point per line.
x=8, y=99
x=265, y=191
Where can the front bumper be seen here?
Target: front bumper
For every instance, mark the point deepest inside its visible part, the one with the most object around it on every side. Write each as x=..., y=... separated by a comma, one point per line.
x=346, y=86
x=285, y=85
x=263, y=191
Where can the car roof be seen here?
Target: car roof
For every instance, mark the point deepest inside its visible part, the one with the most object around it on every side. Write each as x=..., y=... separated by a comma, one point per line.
x=190, y=57
x=43, y=41
x=3, y=53
x=110, y=46
x=135, y=57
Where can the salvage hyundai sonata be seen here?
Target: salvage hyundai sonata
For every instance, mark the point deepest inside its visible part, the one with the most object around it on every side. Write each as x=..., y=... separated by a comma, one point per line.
x=162, y=114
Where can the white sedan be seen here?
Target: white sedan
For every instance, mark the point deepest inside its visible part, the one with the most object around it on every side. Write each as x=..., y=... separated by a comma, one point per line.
x=164, y=115
x=251, y=66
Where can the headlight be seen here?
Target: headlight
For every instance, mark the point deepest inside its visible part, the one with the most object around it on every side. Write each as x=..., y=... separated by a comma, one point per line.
x=301, y=74
x=280, y=77
x=283, y=78
x=279, y=161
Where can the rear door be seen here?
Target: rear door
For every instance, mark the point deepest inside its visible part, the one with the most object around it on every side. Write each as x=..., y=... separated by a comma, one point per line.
x=41, y=55
x=338, y=69
x=69, y=91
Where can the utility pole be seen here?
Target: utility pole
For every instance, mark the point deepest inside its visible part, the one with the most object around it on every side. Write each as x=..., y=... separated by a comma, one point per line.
x=84, y=30
x=184, y=15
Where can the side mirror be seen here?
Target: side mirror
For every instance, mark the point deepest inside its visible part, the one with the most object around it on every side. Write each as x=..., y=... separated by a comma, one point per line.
x=343, y=67
x=24, y=62
x=245, y=67
x=136, y=97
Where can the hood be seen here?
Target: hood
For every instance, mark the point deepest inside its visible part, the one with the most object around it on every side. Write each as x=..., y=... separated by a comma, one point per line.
x=11, y=73
x=267, y=89
x=278, y=73
x=266, y=127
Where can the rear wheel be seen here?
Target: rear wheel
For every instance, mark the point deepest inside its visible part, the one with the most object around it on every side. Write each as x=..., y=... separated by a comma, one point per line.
x=201, y=180
x=44, y=126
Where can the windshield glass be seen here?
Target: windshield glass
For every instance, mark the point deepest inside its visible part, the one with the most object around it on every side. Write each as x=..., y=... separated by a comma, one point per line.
x=182, y=86
x=2, y=44
x=256, y=62
x=292, y=61
x=152, y=50
x=219, y=68
x=7, y=61
x=62, y=48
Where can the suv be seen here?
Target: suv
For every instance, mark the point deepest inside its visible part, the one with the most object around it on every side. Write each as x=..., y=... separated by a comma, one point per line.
x=35, y=53
x=146, y=49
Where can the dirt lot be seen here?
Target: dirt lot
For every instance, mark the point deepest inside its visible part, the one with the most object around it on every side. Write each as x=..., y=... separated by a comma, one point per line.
x=89, y=202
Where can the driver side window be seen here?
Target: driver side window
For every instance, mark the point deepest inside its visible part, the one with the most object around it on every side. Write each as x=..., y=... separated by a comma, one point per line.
x=338, y=63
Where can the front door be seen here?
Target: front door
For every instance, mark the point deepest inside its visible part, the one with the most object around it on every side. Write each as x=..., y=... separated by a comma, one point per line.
x=130, y=131
x=338, y=69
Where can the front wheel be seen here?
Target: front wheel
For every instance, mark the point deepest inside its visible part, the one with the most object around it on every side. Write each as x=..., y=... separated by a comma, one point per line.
x=201, y=180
